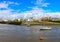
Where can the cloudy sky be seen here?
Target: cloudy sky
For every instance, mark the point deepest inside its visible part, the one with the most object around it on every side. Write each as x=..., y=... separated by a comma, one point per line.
x=11, y=9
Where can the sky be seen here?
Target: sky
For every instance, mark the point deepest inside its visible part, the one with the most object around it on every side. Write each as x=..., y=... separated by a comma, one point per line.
x=13, y=9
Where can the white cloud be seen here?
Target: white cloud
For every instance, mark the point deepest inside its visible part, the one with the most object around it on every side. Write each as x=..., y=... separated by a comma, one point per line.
x=41, y=3
x=53, y=14
x=39, y=12
x=5, y=4
x=6, y=14
x=9, y=2
x=35, y=12
x=45, y=4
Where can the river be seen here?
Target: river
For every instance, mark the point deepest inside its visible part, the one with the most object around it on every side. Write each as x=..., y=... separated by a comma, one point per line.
x=15, y=33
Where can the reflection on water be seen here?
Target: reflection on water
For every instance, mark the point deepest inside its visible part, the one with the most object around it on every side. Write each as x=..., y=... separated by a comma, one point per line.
x=13, y=33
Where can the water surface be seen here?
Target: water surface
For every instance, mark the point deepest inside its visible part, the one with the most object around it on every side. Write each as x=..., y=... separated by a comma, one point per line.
x=15, y=33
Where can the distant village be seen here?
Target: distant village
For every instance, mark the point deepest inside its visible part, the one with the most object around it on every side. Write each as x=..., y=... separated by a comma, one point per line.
x=31, y=20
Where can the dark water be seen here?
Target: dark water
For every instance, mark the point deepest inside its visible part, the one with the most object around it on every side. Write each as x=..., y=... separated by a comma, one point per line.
x=13, y=33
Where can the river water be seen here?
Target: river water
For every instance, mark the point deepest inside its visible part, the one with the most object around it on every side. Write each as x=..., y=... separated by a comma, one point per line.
x=15, y=33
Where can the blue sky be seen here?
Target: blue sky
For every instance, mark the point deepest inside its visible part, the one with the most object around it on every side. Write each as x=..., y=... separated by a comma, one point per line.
x=11, y=9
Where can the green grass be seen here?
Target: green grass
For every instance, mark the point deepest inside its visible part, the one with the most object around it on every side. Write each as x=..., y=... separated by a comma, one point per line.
x=40, y=23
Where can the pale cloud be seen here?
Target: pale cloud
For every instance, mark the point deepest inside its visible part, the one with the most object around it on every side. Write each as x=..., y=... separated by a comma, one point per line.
x=17, y=3
x=36, y=12
x=5, y=14
x=41, y=3
x=39, y=12
x=5, y=4
x=9, y=2
x=53, y=14
x=8, y=13
x=45, y=4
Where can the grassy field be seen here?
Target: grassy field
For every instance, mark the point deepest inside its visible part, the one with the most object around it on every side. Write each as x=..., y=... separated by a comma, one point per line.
x=41, y=23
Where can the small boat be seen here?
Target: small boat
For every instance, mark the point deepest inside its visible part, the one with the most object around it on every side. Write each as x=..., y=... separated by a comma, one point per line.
x=45, y=28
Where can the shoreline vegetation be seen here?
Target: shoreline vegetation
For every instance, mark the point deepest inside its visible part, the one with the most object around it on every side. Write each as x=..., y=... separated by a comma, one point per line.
x=33, y=23
x=42, y=23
